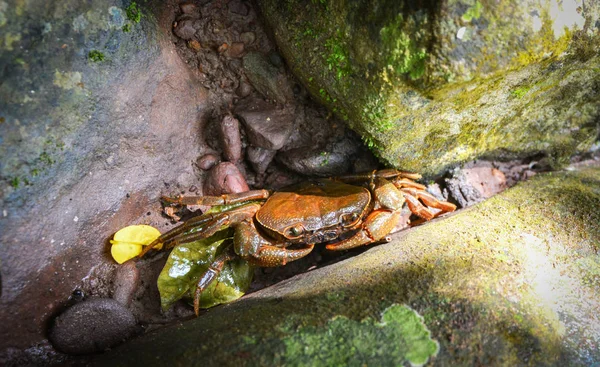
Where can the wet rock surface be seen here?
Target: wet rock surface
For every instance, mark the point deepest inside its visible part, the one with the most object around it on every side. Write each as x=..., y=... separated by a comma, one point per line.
x=266, y=78
x=92, y=326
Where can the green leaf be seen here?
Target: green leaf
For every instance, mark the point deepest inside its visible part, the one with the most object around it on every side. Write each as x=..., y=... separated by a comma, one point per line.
x=187, y=262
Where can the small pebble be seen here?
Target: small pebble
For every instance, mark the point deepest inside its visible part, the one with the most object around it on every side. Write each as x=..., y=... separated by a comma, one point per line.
x=184, y=29
x=237, y=7
x=248, y=38
x=194, y=45
x=189, y=8
x=223, y=48
x=236, y=50
x=92, y=326
x=225, y=178
x=231, y=140
x=207, y=161
x=275, y=59
x=243, y=90
x=126, y=281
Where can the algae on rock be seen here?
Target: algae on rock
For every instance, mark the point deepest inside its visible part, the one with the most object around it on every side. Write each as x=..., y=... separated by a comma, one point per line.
x=431, y=85
x=513, y=280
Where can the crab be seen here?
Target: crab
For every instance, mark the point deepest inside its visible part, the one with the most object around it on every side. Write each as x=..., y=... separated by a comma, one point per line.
x=274, y=228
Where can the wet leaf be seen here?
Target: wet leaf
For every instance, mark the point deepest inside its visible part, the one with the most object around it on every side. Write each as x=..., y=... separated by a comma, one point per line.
x=127, y=242
x=187, y=262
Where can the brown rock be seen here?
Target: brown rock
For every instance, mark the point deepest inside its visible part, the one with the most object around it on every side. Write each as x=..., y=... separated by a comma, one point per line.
x=207, y=161
x=230, y=138
x=225, y=178
x=224, y=47
x=194, y=45
x=189, y=8
x=236, y=50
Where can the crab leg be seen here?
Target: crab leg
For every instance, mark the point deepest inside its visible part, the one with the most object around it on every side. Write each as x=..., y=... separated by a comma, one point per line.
x=211, y=274
x=203, y=226
x=270, y=256
x=377, y=225
x=384, y=173
x=404, y=182
x=417, y=208
x=218, y=200
x=257, y=250
x=430, y=200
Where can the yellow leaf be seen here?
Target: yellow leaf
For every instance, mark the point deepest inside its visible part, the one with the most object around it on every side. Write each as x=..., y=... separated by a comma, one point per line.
x=138, y=234
x=122, y=251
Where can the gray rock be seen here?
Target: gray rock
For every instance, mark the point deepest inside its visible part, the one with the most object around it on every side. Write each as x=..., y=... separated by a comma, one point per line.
x=333, y=160
x=275, y=59
x=260, y=158
x=225, y=178
x=243, y=90
x=266, y=78
x=189, y=8
x=238, y=7
x=231, y=142
x=475, y=182
x=185, y=28
x=248, y=38
x=126, y=280
x=92, y=326
x=207, y=161
x=268, y=128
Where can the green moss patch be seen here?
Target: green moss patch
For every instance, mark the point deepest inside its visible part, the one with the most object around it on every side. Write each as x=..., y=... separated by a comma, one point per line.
x=398, y=338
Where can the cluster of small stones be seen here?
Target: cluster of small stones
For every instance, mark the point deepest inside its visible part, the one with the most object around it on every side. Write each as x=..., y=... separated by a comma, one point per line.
x=260, y=116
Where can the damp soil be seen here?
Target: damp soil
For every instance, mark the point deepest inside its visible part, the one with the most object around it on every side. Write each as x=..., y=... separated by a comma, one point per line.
x=219, y=40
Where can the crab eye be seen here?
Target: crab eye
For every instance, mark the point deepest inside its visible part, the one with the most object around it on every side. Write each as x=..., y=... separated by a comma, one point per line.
x=295, y=231
x=350, y=219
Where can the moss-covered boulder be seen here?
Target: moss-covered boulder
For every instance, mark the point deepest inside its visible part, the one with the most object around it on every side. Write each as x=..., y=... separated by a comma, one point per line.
x=430, y=84
x=514, y=280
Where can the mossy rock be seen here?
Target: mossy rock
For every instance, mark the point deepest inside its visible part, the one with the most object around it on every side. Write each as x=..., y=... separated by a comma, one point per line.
x=514, y=280
x=431, y=85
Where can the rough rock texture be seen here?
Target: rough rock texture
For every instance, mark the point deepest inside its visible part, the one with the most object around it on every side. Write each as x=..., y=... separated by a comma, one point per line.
x=92, y=326
x=266, y=78
x=268, y=127
x=87, y=140
x=432, y=84
x=510, y=281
